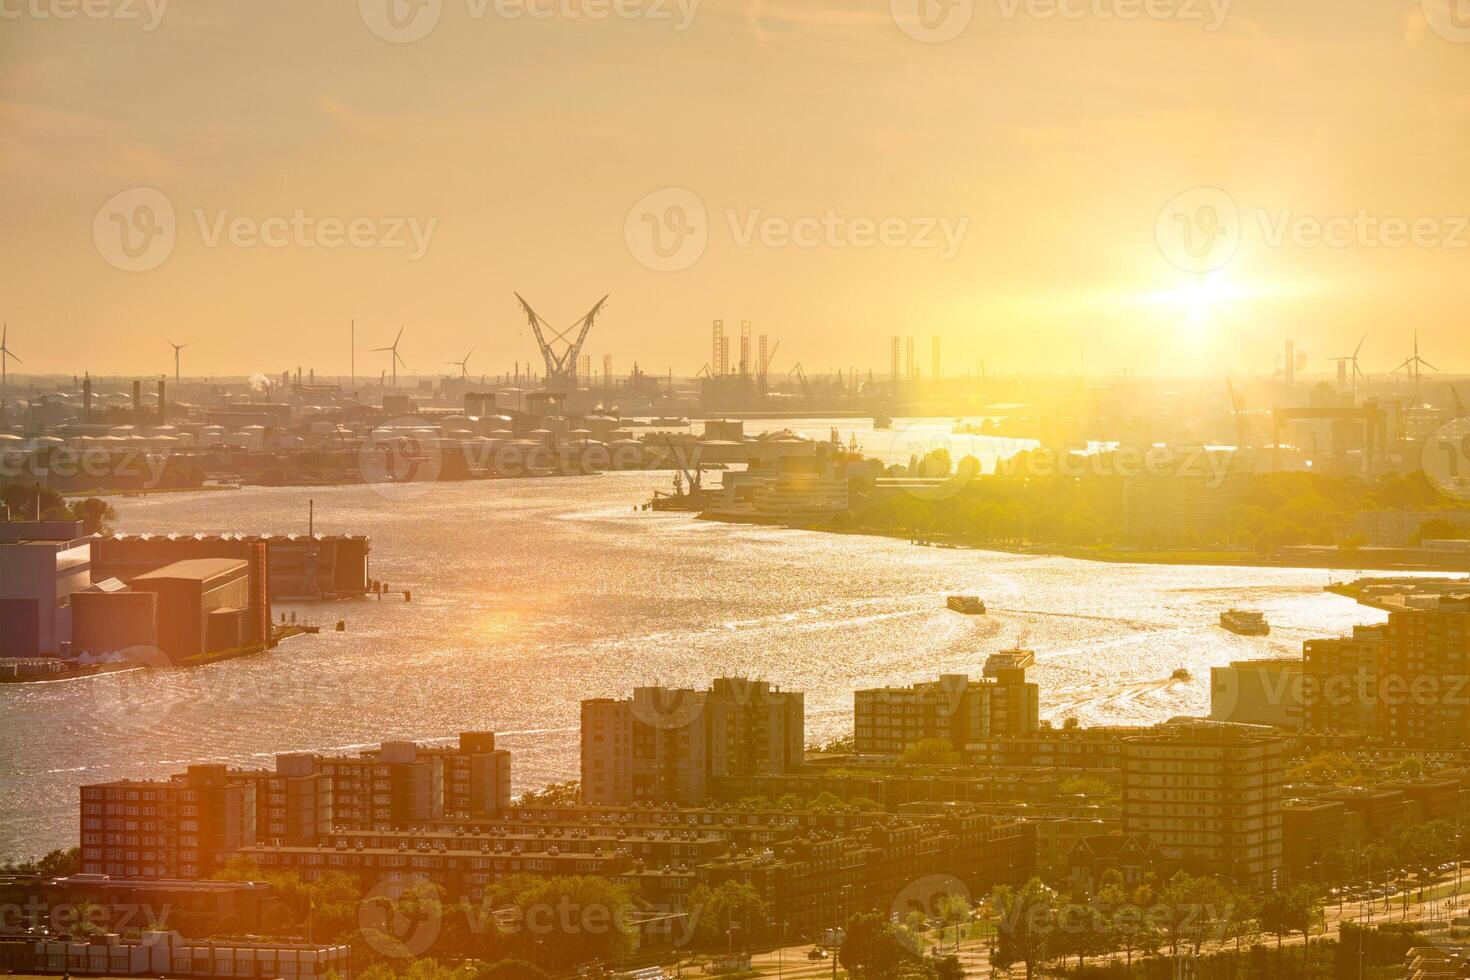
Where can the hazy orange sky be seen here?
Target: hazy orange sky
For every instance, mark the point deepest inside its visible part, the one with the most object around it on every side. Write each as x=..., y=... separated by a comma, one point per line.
x=1047, y=141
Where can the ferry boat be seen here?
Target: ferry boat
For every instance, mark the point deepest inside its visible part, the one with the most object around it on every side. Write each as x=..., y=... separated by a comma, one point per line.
x=1181, y=674
x=970, y=605
x=882, y=421
x=1245, y=622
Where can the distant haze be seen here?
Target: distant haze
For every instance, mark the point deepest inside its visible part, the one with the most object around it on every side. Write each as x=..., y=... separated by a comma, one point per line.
x=1002, y=181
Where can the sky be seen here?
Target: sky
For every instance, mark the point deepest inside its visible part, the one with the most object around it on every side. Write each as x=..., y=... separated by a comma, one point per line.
x=1163, y=186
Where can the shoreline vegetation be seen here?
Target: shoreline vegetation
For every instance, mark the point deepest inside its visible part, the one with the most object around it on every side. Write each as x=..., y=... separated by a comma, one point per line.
x=1027, y=507
x=1109, y=555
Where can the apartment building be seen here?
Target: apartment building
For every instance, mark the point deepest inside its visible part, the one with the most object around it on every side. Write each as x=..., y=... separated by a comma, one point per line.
x=1208, y=797
x=402, y=783
x=1312, y=832
x=1399, y=528
x=1258, y=692
x=156, y=954
x=180, y=828
x=1340, y=681
x=293, y=803
x=1094, y=748
x=126, y=905
x=1424, y=671
x=664, y=746
x=954, y=708
x=183, y=827
x=812, y=868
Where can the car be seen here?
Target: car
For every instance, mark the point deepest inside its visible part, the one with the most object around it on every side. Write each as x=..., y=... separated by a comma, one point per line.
x=817, y=953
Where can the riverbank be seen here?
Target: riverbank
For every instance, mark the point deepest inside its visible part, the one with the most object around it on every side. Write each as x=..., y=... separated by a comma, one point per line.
x=1341, y=561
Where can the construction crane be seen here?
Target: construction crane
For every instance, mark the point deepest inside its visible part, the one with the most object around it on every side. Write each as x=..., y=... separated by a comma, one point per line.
x=801, y=377
x=561, y=369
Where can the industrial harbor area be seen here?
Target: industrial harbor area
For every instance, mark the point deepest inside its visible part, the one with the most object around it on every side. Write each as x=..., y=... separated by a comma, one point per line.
x=760, y=490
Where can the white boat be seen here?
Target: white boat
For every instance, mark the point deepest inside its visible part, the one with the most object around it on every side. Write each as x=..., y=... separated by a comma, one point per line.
x=1245, y=622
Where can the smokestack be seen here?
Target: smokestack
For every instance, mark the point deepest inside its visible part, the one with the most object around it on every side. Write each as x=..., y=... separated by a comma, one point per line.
x=87, y=399
x=137, y=401
x=162, y=403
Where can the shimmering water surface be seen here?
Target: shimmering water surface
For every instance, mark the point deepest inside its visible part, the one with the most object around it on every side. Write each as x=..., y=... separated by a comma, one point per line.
x=531, y=594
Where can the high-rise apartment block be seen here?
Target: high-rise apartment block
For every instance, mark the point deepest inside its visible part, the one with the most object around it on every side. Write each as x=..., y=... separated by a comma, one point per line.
x=1208, y=797
x=1406, y=681
x=664, y=746
x=954, y=708
x=185, y=826
x=179, y=828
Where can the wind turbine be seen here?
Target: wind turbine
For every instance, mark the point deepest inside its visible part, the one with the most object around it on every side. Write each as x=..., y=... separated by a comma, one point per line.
x=5, y=355
x=177, y=348
x=464, y=374
x=1353, y=360
x=395, y=360
x=1414, y=364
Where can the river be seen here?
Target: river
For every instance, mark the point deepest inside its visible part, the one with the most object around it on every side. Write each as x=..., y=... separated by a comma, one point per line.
x=529, y=595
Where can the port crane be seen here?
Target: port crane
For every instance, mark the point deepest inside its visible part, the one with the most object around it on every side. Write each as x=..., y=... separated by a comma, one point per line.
x=692, y=479
x=561, y=369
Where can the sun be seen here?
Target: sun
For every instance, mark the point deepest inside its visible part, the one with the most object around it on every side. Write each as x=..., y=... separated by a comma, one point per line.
x=1201, y=304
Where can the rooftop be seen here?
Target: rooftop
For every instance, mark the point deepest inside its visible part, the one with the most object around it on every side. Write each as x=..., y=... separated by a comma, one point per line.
x=198, y=569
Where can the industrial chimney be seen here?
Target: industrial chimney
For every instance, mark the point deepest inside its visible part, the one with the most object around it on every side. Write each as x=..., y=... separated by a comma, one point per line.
x=162, y=404
x=137, y=401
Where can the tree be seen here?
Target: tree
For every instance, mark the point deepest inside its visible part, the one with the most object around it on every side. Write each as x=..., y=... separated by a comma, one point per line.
x=953, y=910
x=329, y=904
x=94, y=513
x=734, y=908
x=873, y=950
x=949, y=967
x=1436, y=529
x=563, y=922
x=931, y=752
x=1025, y=917
x=568, y=793
x=511, y=970
x=1275, y=914
x=55, y=864
x=1302, y=909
